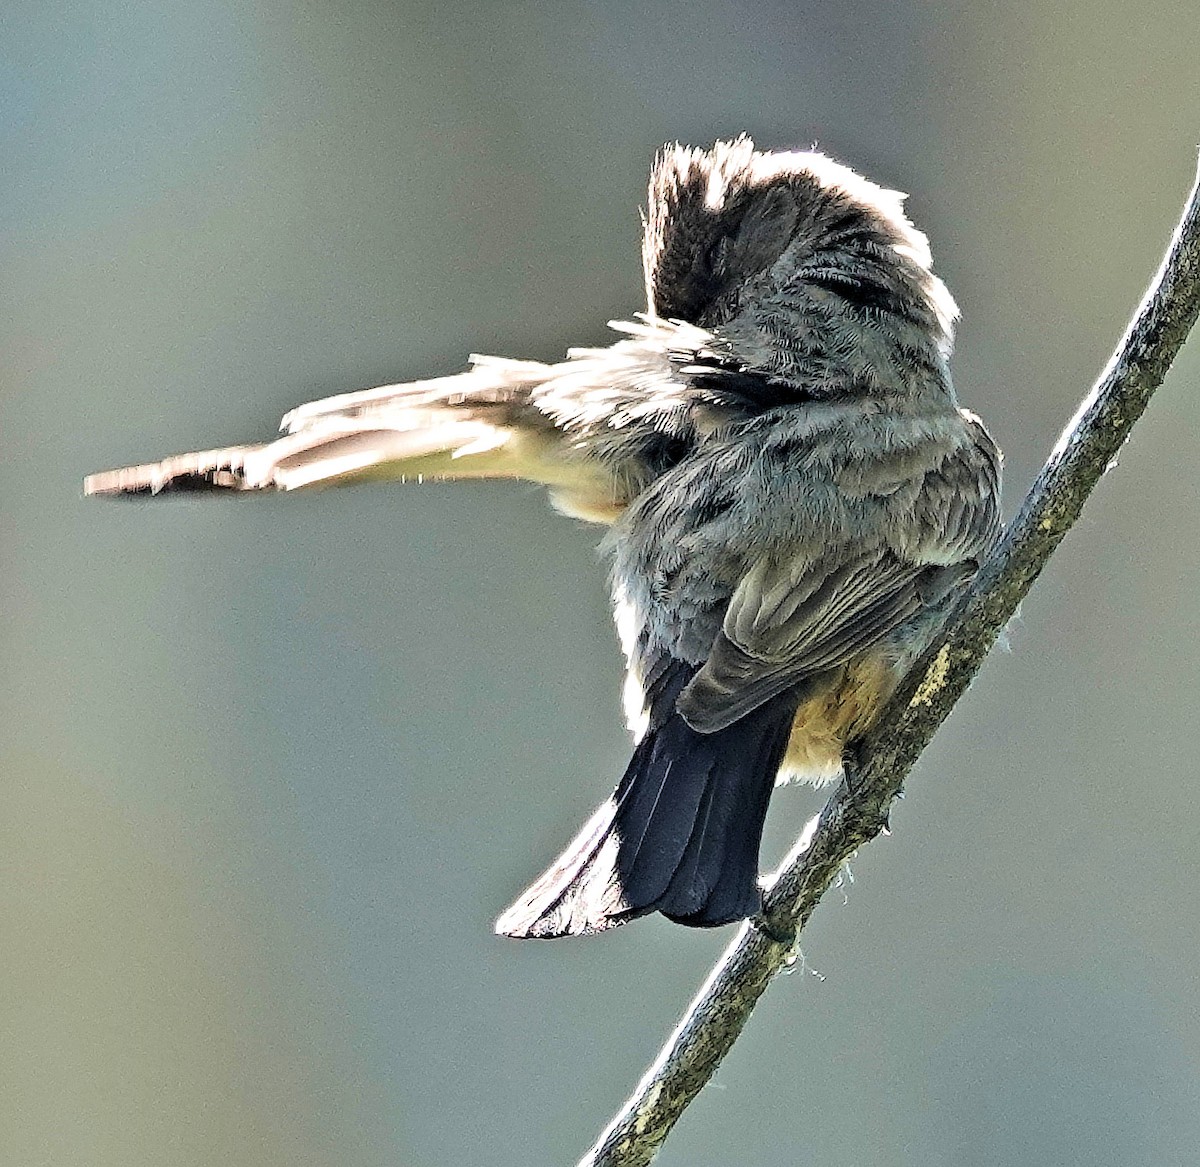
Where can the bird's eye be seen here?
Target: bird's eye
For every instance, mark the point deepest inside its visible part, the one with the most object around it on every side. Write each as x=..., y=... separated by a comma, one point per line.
x=714, y=256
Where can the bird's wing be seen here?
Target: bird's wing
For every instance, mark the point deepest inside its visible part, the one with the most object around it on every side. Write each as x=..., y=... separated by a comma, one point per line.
x=790, y=618
x=444, y=427
x=589, y=427
x=784, y=624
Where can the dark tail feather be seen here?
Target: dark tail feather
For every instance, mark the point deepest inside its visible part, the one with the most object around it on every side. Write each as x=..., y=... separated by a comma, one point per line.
x=745, y=811
x=679, y=836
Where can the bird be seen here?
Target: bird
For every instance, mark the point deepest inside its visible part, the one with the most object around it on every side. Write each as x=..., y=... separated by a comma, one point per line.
x=793, y=500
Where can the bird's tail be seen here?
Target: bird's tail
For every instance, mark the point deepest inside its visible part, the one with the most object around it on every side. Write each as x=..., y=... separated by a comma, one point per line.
x=464, y=426
x=680, y=835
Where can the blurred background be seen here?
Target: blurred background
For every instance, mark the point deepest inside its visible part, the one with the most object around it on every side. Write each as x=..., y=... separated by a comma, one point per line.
x=270, y=767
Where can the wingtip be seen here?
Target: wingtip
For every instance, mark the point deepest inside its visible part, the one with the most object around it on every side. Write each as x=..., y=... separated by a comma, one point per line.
x=204, y=470
x=119, y=483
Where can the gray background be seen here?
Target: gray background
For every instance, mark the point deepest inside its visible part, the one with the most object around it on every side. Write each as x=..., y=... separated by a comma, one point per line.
x=271, y=766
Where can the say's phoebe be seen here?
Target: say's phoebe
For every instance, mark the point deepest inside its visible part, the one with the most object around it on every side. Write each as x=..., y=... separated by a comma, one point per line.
x=792, y=493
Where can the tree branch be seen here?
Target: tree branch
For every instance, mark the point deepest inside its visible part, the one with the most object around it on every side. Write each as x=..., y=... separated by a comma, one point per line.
x=858, y=809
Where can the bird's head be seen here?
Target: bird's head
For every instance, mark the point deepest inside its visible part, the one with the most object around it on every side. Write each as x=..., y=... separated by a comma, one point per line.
x=736, y=238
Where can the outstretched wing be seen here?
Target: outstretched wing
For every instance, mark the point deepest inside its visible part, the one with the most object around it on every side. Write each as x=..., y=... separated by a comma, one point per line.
x=595, y=428
x=459, y=426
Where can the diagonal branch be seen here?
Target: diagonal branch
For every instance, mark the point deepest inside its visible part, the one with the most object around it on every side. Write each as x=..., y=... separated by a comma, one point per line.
x=858, y=810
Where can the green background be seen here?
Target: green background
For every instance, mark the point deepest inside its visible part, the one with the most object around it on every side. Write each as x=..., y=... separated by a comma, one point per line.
x=270, y=767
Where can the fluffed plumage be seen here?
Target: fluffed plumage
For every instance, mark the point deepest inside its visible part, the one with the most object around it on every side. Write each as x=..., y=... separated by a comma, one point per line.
x=793, y=495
